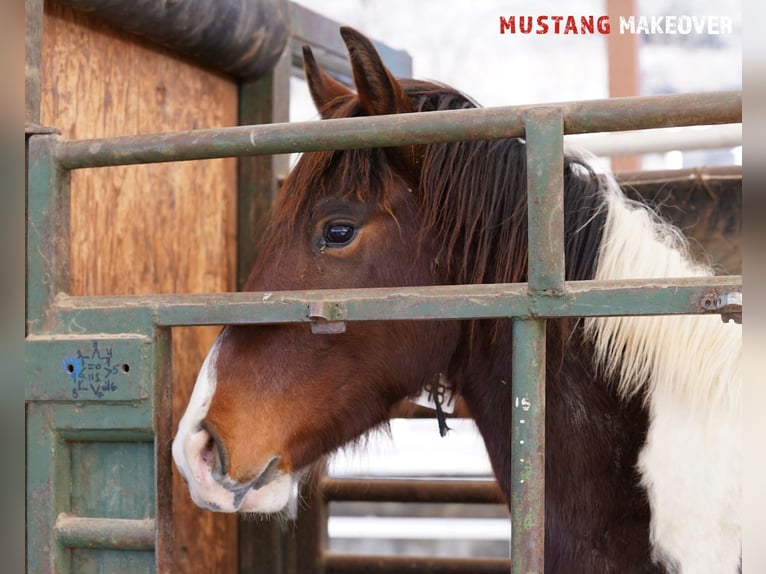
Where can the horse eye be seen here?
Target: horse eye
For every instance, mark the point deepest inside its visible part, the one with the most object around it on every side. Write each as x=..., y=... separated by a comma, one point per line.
x=339, y=234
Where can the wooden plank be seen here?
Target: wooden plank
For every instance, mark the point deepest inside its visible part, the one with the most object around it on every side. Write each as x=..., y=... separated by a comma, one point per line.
x=622, y=56
x=147, y=229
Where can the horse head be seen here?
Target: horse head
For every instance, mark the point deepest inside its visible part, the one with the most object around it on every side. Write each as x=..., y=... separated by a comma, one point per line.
x=271, y=400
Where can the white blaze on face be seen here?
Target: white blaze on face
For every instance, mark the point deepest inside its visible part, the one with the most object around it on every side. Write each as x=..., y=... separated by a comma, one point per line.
x=192, y=456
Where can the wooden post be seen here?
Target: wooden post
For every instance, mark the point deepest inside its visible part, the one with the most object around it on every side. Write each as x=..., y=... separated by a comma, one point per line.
x=622, y=54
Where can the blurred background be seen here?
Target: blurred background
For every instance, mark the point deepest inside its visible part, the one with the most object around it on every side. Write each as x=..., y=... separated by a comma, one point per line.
x=459, y=43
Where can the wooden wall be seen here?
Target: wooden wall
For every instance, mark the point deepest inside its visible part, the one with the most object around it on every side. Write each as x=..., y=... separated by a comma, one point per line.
x=167, y=228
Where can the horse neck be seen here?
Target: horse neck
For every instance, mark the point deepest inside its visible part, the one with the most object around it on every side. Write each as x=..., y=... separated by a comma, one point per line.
x=483, y=379
x=494, y=181
x=592, y=441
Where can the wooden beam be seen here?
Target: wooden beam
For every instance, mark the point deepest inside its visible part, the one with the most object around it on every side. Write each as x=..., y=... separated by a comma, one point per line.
x=622, y=50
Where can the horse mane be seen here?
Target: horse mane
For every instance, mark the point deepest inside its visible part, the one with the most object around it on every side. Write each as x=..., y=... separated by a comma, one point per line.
x=647, y=354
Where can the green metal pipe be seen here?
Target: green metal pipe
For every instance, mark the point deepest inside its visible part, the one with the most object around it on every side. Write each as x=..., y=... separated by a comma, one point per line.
x=580, y=298
x=48, y=230
x=105, y=533
x=545, y=202
x=528, y=447
x=545, y=214
x=615, y=114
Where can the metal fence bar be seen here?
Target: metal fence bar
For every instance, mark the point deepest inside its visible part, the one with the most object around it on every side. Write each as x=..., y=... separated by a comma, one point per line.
x=545, y=211
x=545, y=202
x=342, y=564
x=105, y=533
x=616, y=114
x=528, y=447
x=583, y=299
x=411, y=490
x=48, y=223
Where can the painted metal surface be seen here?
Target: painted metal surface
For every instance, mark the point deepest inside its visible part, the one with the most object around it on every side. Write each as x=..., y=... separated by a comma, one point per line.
x=48, y=220
x=96, y=367
x=528, y=447
x=91, y=398
x=33, y=20
x=544, y=135
x=85, y=461
x=580, y=298
x=115, y=435
x=401, y=129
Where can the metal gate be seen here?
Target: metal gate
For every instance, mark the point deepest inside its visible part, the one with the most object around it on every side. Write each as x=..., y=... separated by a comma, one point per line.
x=97, y=380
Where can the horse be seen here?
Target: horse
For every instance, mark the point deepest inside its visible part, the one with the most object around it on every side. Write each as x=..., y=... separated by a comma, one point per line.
x=643, y=414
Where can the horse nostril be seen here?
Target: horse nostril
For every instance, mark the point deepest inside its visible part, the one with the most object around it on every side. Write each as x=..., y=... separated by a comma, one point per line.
x=269, y=473
x=214, y=453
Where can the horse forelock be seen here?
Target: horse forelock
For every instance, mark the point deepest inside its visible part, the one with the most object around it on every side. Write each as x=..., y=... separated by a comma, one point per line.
x=355, y=174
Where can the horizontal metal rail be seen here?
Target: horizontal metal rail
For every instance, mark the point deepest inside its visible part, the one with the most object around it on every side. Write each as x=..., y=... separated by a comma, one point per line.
x=615, y=114
x=411, y=490
x=105, y=533
x=696, y=295
x=342, y=564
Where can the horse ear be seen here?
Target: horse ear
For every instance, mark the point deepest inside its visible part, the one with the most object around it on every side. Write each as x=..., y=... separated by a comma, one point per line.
x=378, y=91
x=323, y=87
x=379, y=94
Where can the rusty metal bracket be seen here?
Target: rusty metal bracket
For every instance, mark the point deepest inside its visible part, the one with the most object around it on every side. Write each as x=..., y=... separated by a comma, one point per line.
x=325, y=316
x=729, y=305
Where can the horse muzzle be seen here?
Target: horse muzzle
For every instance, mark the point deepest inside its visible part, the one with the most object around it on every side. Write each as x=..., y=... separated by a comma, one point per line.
x=203, y=463
x=203, y=466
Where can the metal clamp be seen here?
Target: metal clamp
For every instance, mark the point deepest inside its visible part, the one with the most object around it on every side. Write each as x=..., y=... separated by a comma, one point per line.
x=324, y=317
x=729, y=305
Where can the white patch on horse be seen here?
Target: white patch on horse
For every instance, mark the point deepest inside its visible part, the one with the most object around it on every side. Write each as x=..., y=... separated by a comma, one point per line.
x=191, y=456
x=688, y=370
x=272, y=497
x=191, y=439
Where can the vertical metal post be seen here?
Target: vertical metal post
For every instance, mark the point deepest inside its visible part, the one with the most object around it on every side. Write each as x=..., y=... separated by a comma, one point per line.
x=163, y=428
x=545, y=189
x=48, y=223
x=81, y=448
x=544, y=136
x=310, y=540
x=528, y=448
